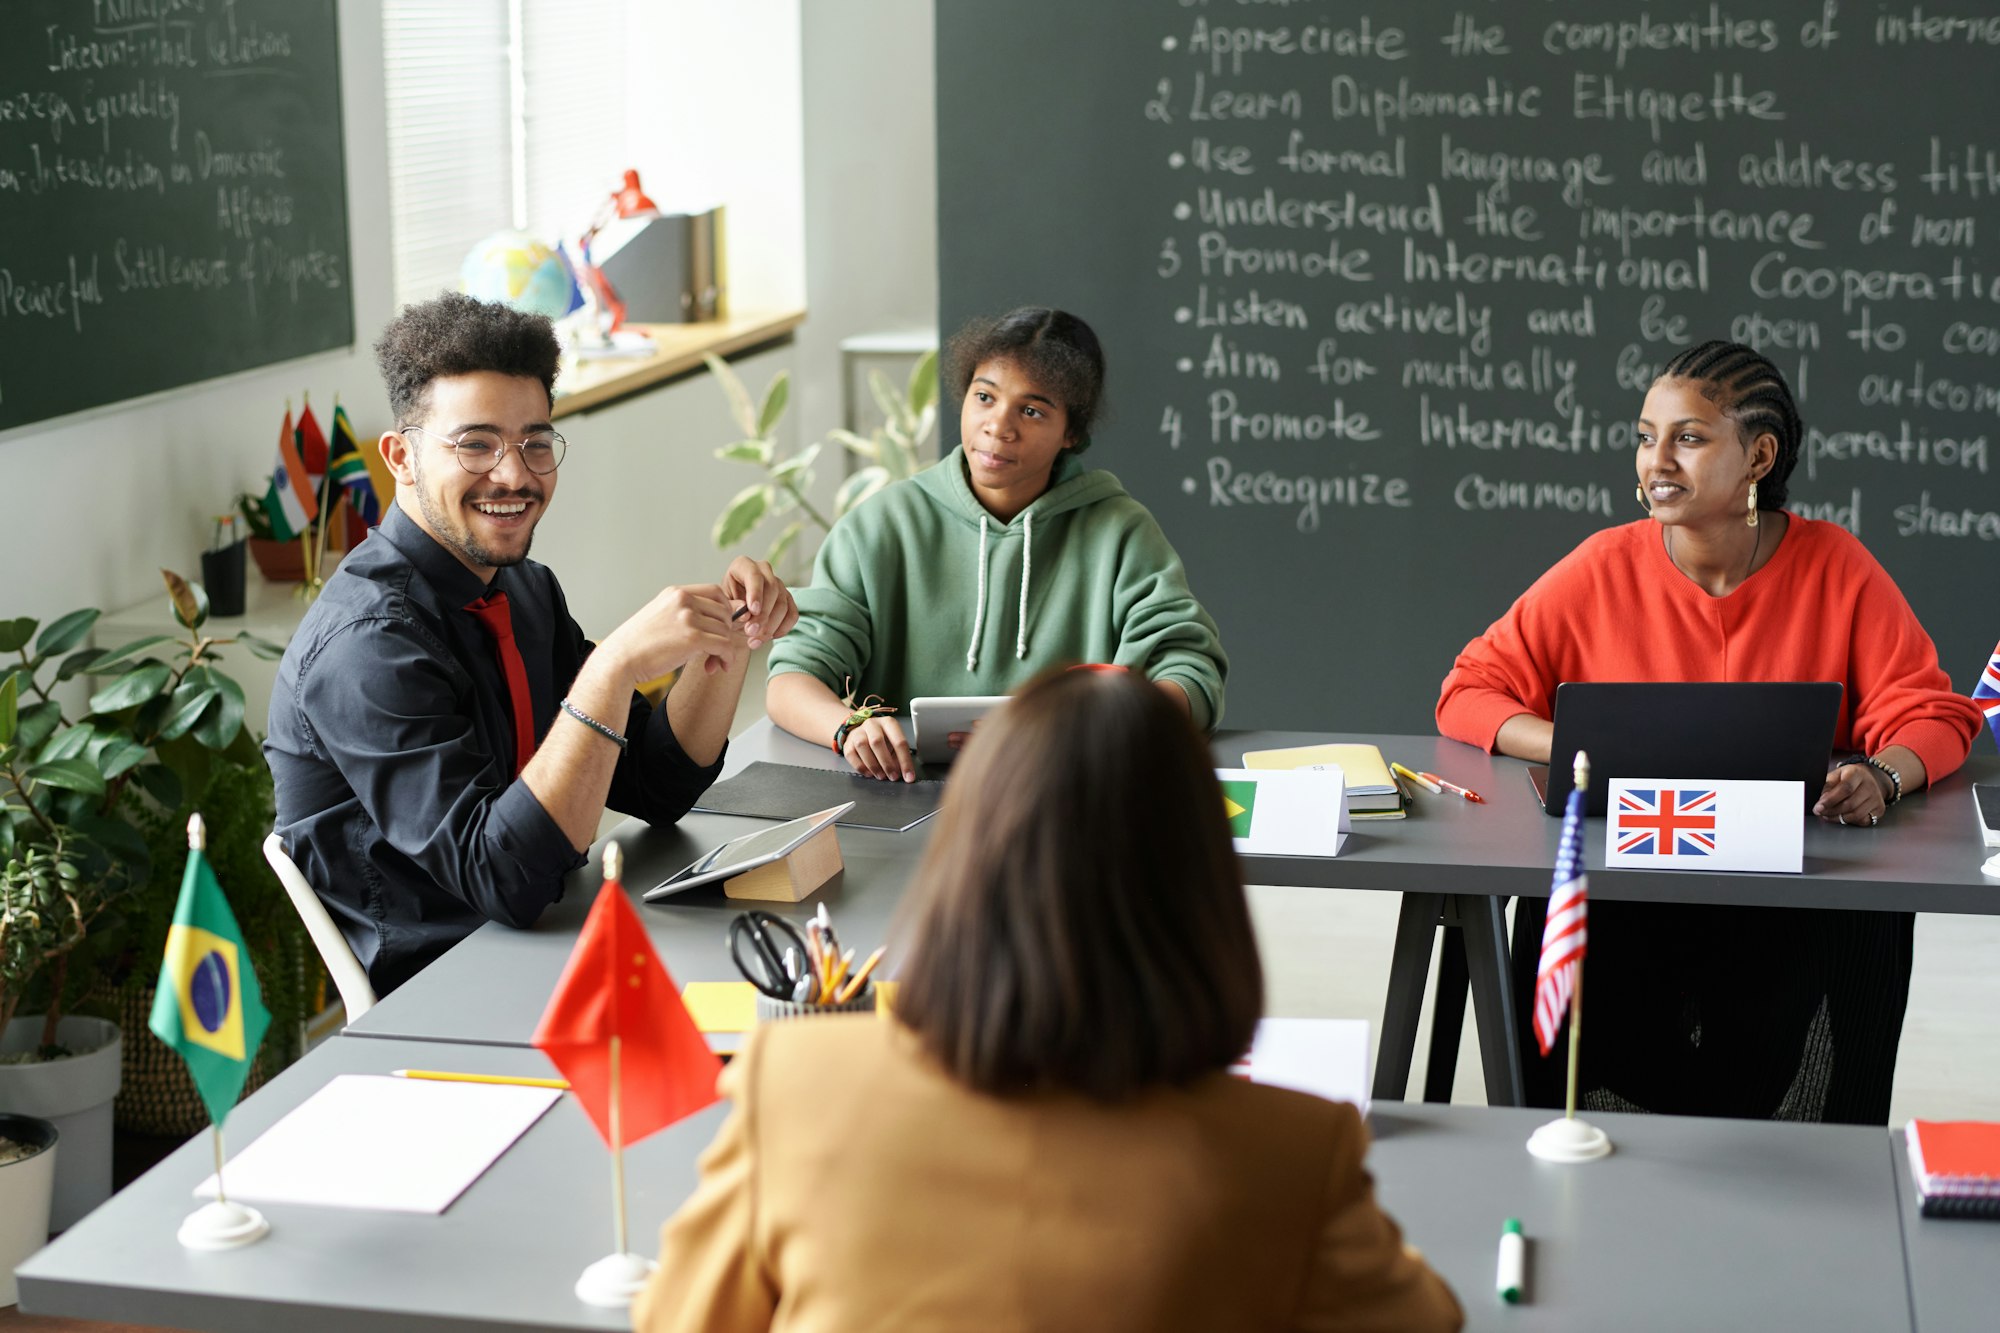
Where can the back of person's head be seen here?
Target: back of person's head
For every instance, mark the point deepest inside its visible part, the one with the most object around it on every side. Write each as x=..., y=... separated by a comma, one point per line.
x=1079, y=922
x=1743, y=383
x=1056, y=351
x=453, y=334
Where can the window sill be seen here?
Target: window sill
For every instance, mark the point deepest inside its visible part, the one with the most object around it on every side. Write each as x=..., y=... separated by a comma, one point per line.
x=678, y=351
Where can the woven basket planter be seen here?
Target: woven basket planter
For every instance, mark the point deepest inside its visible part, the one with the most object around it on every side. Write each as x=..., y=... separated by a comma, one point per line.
x=156, y=1095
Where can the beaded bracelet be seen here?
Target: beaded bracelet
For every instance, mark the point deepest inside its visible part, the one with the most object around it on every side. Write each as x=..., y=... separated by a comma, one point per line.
x=593, y=723
x=1895, y=778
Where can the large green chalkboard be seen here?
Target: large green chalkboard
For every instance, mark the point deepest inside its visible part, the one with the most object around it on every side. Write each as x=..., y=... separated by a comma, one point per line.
x=1382, y=285
x=172, y=201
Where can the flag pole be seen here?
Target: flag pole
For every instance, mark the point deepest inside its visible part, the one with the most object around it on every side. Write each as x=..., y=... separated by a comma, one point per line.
x=1570, y=1139
x=615, y=1279
x=1580, y=778
x=617, y=1154
x=221, y=1225
x=325, y=514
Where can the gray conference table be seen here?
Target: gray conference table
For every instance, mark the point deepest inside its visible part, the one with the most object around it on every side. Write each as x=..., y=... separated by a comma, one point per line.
x=1954, y=1263
x=1454, y=862
x=1708, y=1224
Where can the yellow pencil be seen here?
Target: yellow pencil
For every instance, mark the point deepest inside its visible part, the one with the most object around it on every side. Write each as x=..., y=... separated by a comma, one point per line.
x=444, y=1076
x=860, y=979
x=1418, y=778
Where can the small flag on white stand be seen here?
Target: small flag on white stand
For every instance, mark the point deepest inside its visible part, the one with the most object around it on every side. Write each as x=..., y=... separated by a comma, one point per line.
x=1559, y=982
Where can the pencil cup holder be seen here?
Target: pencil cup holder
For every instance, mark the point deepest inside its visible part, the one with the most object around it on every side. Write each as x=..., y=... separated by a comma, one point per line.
x=779, y=1011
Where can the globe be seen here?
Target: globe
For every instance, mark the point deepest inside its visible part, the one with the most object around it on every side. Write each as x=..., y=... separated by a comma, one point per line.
x=514, y=267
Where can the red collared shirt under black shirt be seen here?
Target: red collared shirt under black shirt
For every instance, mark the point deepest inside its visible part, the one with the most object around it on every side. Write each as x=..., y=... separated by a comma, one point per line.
x=392, y=746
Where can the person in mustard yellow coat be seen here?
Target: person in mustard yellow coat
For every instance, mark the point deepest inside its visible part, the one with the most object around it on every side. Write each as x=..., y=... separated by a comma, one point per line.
x=1047, y=1135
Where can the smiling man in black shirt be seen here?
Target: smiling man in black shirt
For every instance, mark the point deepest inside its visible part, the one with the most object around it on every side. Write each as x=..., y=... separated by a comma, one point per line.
x=443, y=738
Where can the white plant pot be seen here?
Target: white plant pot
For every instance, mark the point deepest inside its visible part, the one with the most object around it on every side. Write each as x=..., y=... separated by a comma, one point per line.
x=75, y=1095
x=26, y=1189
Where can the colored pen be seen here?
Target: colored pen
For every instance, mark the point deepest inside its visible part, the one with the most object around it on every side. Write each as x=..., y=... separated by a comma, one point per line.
x=1423, y=780
x=443, y=1076
x=1513, y=1262
x=1455, y=789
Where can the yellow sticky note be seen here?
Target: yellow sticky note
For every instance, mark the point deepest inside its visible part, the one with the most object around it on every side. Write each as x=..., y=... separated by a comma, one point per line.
x=721, y=1006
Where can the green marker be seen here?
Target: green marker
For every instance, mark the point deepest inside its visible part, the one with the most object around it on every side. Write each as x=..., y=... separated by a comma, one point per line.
x=1513, y=1261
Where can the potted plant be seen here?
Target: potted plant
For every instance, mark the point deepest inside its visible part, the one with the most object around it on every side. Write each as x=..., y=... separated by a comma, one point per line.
x=75, y=792
x=27, y=1188
x=894, y=450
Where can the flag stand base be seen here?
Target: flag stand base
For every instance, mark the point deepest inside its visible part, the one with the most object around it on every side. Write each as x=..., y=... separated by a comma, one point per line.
x=223, y=1226
x=1569, y=1140
x=614, y=1280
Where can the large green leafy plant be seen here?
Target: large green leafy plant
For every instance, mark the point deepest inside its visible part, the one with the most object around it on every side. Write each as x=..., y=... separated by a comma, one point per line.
x=80, y=785
x=894, y=450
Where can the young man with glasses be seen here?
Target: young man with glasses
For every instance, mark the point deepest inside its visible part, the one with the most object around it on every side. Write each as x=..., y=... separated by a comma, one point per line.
x=443, y=738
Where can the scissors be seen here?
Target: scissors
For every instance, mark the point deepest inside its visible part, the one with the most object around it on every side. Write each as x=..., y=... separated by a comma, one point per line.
x=758, y=942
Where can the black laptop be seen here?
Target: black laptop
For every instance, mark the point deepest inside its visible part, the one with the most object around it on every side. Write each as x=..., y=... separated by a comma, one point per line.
x=1764, y=730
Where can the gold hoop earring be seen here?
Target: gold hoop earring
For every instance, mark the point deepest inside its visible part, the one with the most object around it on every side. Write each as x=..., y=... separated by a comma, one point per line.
x=1751, y=521
x=1639, y=494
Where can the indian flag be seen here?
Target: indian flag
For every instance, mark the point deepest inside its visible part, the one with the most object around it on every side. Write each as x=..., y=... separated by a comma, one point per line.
x=1239, y=802
x=290, y=503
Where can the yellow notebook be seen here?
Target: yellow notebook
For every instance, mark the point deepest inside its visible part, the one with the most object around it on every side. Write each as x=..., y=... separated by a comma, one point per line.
x=1372, y=792
x=721, y=1006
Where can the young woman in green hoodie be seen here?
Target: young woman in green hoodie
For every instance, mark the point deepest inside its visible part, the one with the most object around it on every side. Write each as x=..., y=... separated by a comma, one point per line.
x=1007, y=557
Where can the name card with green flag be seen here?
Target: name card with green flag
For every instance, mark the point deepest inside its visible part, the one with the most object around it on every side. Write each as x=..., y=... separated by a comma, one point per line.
x=1285, y=812
x=208, y=1007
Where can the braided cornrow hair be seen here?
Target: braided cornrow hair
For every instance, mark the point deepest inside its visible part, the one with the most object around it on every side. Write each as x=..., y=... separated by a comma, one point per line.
x=1749, y=388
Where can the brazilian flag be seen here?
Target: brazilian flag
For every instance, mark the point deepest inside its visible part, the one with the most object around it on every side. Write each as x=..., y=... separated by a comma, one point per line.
x=208, y=1007
x=1239, y=802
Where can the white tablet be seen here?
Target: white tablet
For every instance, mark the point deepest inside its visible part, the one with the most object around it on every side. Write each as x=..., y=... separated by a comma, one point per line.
x=747, y=853
x=939, y=724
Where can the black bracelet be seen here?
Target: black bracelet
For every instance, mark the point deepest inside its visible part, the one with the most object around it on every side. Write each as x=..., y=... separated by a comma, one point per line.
x=1895, y=778
x=593, y=723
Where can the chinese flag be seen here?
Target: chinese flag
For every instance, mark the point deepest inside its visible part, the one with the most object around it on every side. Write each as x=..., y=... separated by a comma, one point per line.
x=312, y=445
x=614, y=986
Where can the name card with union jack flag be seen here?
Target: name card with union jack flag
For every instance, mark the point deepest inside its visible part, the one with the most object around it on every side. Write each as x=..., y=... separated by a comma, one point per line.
x=1677, y=824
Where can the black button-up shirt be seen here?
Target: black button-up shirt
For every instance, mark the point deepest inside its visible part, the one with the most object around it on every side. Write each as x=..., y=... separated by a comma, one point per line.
x=392, y=746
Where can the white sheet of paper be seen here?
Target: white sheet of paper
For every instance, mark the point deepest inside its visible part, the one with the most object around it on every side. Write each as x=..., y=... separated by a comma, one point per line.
x=372, y=1141
x=1327, y=1057
x=1730, y=825
x=1297, y=811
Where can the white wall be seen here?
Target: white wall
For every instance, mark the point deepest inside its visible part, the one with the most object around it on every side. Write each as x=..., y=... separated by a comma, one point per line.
x=814, y=120
x=870, y=185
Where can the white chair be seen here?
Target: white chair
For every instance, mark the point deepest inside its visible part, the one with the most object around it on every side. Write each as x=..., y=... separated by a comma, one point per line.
x=356, y=995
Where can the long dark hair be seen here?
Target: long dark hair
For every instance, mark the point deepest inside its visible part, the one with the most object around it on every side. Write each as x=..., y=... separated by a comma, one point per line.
x=1079, y=923
x=1746, y=386
x=1053, y=348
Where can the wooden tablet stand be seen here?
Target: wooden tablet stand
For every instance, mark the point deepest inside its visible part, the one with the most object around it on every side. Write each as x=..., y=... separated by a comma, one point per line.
x=791, y=878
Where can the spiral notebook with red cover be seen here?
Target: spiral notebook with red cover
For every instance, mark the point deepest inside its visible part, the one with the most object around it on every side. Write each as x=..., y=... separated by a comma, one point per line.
x=1956, y=1167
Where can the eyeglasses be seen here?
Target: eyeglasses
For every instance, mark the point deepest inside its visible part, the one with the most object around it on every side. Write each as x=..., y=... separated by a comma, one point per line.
x=480, y=451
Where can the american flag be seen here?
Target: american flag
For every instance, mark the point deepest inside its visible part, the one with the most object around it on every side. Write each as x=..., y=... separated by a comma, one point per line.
x=1563, y=936
x=1987, y=693
x=1665, y=822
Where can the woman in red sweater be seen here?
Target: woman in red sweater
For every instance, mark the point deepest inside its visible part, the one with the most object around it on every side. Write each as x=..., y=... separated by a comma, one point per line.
x=1728, y=1010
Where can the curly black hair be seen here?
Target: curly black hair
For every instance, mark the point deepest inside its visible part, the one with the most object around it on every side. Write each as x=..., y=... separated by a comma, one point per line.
x=1746, y=386
x=453, y=334
x=1053, y=348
